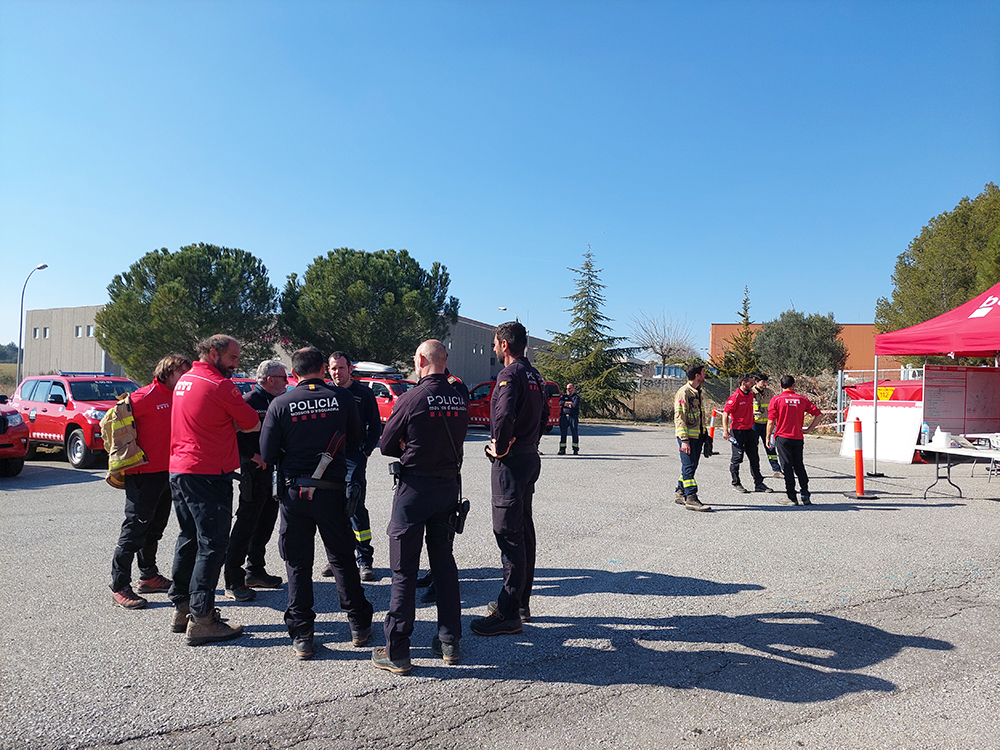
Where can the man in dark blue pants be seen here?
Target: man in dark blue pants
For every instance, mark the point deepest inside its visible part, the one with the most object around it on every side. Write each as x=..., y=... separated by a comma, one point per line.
x=305, y=433
x=518, y=417
x=341, y=370
x=426, y=431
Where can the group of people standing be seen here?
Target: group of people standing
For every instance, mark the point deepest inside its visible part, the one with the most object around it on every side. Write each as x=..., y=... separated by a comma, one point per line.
x=752, y=414
x=308, y=447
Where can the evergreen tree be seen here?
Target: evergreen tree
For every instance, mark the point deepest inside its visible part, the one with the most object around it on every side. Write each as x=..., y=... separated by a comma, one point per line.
x=168, y=302
x=738, y=356
x=377, y=305
x=589, y=356
x=954, y=258
x=799, y=344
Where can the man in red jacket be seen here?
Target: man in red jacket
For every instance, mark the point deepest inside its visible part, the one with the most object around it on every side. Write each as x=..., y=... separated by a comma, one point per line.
x=207, y=411
x=147, y=491
x=785, y=416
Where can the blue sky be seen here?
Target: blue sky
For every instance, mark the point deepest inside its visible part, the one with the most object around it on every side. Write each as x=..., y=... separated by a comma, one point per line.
x=792, y=147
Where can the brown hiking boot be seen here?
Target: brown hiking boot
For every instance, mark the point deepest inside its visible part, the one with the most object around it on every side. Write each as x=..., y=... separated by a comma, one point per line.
x=679, y=497
x=691, y=502
x=209, y=629
x=179, y=618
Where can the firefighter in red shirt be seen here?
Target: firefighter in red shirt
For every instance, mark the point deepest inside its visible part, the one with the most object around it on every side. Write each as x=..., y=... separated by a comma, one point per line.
x=147, y=490
x=207, y=411
x=785, y=416
x=737, y=428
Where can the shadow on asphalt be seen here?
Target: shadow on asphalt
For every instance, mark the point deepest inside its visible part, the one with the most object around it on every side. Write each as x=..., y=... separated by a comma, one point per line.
x=820, y=504
x=792, y=657
x=39, y=475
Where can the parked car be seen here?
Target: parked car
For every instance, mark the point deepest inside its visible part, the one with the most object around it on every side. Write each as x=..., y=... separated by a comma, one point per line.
x=244, y=383
x=13, y=439
x=481, y=395
x=65, y=410
x=387, y=391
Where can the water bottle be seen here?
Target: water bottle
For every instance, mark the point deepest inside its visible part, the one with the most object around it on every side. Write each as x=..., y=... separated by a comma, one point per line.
x=924, y=433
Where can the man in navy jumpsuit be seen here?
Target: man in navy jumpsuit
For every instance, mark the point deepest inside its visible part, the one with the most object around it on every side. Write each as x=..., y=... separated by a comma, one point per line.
x=301, y=426
x=518, y=416
x=426, y=432
x=569, y=419
x=357, y=462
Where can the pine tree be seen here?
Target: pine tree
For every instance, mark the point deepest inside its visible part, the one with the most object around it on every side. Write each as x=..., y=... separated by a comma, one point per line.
x=738, y=355
x=589, y=356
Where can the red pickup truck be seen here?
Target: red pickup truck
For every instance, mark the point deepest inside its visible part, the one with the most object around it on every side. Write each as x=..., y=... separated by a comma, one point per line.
x=479, y=404
x=13, y=439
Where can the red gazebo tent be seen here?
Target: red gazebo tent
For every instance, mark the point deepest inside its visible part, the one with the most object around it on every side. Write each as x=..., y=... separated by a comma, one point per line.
x=970, y=330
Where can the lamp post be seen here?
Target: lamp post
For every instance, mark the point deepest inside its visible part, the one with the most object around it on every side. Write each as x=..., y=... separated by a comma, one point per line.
x=20, y=321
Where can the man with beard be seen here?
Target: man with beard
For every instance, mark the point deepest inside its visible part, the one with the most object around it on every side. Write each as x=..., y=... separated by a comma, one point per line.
x=207, y=411
x=518, y=416
x=341, y=370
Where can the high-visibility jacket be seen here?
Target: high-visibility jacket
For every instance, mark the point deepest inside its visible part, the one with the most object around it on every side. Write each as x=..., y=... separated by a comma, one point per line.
x=689, y=419
x=761, y=400
x=119, y=435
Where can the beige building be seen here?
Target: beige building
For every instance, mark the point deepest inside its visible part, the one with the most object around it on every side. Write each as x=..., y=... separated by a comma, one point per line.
x=62, y=339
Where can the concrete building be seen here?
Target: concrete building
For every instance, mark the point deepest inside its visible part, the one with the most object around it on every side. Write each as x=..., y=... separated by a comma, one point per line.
x=62, y=338
x=470, y=351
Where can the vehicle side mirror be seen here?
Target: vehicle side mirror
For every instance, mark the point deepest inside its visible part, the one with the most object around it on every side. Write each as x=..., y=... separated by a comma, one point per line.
x=3, y=398
x=57, y=398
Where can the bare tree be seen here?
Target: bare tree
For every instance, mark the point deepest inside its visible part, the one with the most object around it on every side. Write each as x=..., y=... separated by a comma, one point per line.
x=670, y=340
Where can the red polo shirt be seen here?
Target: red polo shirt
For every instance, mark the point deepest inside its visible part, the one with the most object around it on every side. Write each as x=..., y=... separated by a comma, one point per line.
x=788, y=411
x=151, y=410
x=202, y=434
x=739, y=407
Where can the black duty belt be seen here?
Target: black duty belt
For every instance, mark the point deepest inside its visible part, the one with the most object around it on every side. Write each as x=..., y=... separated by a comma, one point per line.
x=441, y=474
x=320, y=484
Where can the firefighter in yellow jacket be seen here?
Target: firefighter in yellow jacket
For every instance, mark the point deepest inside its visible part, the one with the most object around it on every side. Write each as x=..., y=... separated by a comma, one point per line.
x=689, y=426
x=761, y=400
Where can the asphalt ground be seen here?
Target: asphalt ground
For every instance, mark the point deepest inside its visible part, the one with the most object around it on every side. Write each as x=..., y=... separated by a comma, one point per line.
x=852, y=623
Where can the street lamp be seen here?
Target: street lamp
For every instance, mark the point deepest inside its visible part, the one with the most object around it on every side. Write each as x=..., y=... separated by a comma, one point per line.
x=20, y=321
x=505, y=310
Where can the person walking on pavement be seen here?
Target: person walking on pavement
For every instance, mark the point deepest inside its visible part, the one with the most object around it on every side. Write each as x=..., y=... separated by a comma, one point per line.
x=207, y=411
x=518, y=417
x=737, y=428
x=786, y=415
x=426, y=432
x=762, y=395
x=305, y=433
x=569, y=419
x=341, y=371
x=257, y=509
x=689, y=427
x=147, y=488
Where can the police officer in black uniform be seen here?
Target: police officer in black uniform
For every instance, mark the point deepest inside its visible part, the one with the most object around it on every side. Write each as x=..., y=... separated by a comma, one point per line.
x=518, y=417
x=257, y=511
x=426, y=431
x=305, y=432
x=357, y=463
x=569, y=419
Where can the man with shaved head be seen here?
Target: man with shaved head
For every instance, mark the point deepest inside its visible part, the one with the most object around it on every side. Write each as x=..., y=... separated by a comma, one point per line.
x=426, y=432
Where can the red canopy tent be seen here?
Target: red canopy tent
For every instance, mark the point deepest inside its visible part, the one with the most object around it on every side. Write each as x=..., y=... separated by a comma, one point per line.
x=970, y=330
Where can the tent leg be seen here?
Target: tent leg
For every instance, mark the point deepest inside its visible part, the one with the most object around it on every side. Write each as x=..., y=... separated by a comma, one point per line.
x=875, y=472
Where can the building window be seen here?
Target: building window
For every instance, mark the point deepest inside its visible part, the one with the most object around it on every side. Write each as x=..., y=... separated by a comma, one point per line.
x=45, y=333
x=79, y=332
x=34, y=333
x=90, y=332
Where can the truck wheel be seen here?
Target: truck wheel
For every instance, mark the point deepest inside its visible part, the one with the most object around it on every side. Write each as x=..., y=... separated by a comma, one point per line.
x=11, y=467
x=77, y=452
